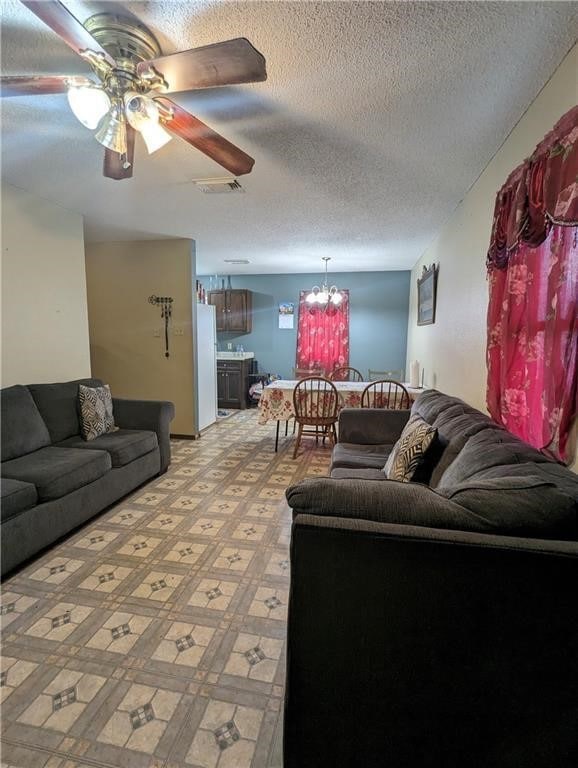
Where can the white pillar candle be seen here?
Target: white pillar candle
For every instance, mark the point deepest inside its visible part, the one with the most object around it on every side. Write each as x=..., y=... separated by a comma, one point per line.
x=414, y=374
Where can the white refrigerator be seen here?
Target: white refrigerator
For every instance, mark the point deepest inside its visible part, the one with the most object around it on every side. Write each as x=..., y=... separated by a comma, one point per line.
x=206, y=366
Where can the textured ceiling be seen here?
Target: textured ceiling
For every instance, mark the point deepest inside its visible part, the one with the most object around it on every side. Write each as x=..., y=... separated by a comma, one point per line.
x=375, y=120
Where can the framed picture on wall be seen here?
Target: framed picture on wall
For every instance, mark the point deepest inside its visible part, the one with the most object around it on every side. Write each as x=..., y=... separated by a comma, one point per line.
x=426, y=295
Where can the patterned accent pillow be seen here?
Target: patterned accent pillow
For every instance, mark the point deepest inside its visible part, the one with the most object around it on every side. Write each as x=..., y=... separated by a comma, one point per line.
x=96, y=417
x=409, y=451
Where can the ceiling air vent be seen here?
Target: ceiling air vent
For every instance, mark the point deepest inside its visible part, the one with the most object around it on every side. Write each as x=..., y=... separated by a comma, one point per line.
x=236, y=261
x=218, y=186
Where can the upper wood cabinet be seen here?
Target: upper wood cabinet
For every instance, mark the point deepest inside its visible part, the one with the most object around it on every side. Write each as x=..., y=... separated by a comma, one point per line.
x=233, y=310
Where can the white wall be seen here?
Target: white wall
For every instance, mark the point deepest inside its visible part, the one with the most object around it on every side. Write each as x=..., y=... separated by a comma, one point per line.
x=44, y=312
x=452, y=350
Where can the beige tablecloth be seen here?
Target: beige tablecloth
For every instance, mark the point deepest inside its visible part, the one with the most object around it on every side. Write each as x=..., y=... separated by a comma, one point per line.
x=276, y=402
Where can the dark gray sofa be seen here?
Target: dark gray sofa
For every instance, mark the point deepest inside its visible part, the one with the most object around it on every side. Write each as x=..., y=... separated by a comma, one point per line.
x=433, y=623
x=52, y=479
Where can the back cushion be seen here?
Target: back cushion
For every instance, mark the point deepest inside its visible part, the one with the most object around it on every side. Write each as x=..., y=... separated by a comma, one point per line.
x=492, y=447
x=23, y=429
x=455, y=422
x=527, y=505
x=58, y=404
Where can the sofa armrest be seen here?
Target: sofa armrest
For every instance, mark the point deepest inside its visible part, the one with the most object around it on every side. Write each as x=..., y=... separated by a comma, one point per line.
x=381, y=501
x=444, y=645
x=155, y=415
x=371, y=426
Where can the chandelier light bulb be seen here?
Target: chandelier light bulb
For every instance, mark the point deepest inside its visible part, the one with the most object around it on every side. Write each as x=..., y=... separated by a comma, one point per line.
x=311, y=298
x=89, y=104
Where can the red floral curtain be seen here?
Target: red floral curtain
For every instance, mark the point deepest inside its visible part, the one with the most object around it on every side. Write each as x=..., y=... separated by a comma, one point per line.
x=323, y=336
x=532, y=385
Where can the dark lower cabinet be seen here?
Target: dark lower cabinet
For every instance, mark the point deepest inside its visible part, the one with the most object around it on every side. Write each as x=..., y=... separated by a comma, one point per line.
x=233, y=382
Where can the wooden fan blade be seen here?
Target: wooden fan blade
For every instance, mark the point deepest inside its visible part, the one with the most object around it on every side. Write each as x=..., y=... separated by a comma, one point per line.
x=60, y=20
x=228, y=63
x=191, y=129
x=38, y=85
x=113, y=167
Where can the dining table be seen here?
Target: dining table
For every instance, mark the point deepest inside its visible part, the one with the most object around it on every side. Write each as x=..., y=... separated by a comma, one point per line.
x=276, y=401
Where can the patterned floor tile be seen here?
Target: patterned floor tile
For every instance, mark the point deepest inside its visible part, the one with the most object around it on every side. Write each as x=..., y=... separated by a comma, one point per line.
x=226, y=736
x=270, y=603
x=254, y=657
x=59, y=622
x=127, y=517
x=207, y=526
x=63, y=701
x=157, y=585
x=184, y=644
x=106, y=578
x=139, y=546
x=185, y=552
x=13, y=672
x=119, y=632
x=150, y=499
x=56, y=570
x=154, y=636
x=96, y=540
x=13, y=606
x=141, y=719
x=214, y=594
x=233, y=559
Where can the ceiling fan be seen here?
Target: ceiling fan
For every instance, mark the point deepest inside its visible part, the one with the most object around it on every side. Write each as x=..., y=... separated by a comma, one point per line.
x=133, y=77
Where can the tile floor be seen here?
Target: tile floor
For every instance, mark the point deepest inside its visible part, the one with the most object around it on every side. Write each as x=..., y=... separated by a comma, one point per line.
x=154, y=637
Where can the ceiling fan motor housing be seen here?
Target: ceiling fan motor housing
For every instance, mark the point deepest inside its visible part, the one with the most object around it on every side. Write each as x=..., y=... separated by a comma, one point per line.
x=126, y=40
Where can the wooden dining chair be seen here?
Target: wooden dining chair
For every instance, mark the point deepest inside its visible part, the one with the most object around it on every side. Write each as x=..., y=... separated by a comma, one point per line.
x=384, y=375
x=315, y=402
x=305, y=373
x=346, y=373
x=385, y=393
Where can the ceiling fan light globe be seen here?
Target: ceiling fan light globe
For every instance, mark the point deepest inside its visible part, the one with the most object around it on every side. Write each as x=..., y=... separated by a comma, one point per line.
x=140, y=110
x=89, y=104
x=111, y=132
x=154, y=136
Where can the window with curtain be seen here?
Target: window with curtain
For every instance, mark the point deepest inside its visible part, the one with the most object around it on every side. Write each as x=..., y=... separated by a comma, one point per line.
x=323, y=335
x=532, y=348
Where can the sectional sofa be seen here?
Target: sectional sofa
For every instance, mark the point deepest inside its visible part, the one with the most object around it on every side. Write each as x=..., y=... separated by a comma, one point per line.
x=433, y=623
x=52, y=479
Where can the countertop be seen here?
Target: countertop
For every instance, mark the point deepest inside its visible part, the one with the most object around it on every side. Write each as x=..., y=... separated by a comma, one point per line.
x=235, y=355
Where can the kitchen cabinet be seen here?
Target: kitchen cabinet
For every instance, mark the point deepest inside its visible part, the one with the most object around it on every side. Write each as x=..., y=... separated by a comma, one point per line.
x=233, y=382
x=233, y=309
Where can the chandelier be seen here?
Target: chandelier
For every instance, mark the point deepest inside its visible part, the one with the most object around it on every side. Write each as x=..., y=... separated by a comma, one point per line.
x=324, y=297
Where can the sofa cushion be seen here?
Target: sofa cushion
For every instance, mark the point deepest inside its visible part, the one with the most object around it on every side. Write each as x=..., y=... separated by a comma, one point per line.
x=523, y=505
x=348, y=473
x=16, y=497
x=492, y=447
x=58, y=471
x=455, y=422
x=124, y=446
x=96, y=416
x=360, y=456
x=23, y=429
x=58, y=406
x=410, y=450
